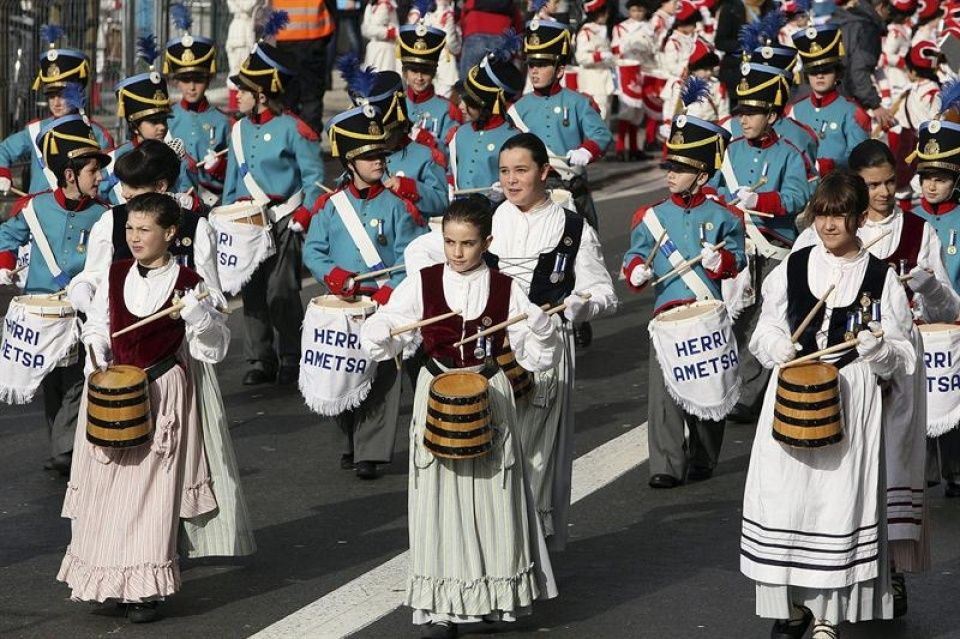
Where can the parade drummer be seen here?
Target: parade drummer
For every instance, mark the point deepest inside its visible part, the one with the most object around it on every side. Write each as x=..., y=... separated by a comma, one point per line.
x=191, y=61
x=363, y=227
x=419, y=47
x=839, y=122
x=715, y=107
x=56, y=224
x=273, y=161
x=693, y=225
x=766, y=173
x=594, y=57
x=555, y=258
x=627, y=145
x=126, y=504
x=62, y=72
x=473, y=532
x=144, y=103
x=828, y=564
x=568, y=122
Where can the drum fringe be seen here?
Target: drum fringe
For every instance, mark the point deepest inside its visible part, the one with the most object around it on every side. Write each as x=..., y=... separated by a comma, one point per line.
x=713, y=413
x=333, y=407
x=15, y=396
x=942, y=425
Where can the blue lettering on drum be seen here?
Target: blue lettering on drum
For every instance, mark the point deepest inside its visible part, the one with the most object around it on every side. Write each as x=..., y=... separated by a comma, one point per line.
x=940, y=383
x=17, y=342
x=700, y=345
x=330, y=361
x=226, y=260
x=706, y=367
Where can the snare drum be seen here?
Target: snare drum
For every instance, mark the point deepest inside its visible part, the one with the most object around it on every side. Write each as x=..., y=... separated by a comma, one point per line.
x=458, y=416
x=520, y=378
x=335, y=373
x=241, y=213
x=807, y=410
x=941, y=355
x=118, y=408
x=244, y=241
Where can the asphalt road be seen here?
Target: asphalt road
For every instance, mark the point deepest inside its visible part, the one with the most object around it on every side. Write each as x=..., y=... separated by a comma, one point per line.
x=641, y=563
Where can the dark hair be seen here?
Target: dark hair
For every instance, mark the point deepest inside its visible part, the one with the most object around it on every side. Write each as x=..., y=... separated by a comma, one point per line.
x=475, y=210
x=939, y=172
x=164, y=208
x=429, y=69
x=530, y=142
x=841, y=193
x=74, y=164
x=147, y=164
x=592, y=16
x=870, y=154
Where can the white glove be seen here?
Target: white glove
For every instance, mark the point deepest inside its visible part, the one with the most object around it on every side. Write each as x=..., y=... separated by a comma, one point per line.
x=377, y=333
x=868, y=344
x=7, y=277
x=101, y=352
x=748, y=199
x=80, y=295
x=782, y=351
x=664, y=131
x=184, y=200
x=496, y=194
x=710, y=258
x=295, y=227
x=922, y=281
x=606, y=56
x=5, y=185
x=577, y=308
x=579, y=157
x=210, y=160
x=195, y=312
x=538, y=321
x=915, y=183
x=640, y=275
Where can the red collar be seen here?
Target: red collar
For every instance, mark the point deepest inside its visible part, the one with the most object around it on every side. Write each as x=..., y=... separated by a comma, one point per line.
x=693, y=201
x=366, y=194
x=554, y=89
x=824, y=100
x=419, y=98
x=199, y=107
x=71, y=205
x=492, y=123
x=262, y=118
x=937, y=209
x=766, y=141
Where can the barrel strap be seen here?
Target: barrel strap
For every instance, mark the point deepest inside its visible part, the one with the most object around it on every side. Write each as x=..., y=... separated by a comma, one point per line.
x=157, y=371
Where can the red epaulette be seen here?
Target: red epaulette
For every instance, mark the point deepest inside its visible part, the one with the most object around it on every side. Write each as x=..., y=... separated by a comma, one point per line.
x=322, y=201
x=304, y=129
x=412, y=210
x=454, y=112
x=861, y=116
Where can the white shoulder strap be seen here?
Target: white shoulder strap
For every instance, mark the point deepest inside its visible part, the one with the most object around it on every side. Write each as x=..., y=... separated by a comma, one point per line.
x=33, y=130
x=348, y=215
x=756, y=236
x=30, y=216
x=558, y=163
x=689, y=276
x=729, y=177
x=453, y=162
x=236, y=140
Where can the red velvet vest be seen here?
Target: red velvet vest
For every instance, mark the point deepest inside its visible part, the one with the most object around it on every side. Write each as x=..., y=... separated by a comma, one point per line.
x=438, y=339
x=911, y=238
x=154, y=342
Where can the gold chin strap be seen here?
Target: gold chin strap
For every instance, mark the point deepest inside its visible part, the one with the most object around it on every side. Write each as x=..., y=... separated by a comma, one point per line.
x=81, y=71
x=353, y=135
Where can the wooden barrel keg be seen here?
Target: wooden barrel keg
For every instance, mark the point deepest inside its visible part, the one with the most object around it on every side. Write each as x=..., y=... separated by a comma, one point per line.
x=520, y=378
x=118, y=408
x=458, y=416
x=807, y=411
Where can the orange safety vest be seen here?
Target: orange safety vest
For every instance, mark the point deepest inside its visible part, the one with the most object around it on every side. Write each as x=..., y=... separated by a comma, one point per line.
x=309, y=19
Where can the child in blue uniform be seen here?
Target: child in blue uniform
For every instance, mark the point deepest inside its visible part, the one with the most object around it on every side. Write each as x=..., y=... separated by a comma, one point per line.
x=335, y=256
x=690, y=221
x=274, y=160
x=190, y=61
x=63, y=217
x=59, y=69
x=839, y=122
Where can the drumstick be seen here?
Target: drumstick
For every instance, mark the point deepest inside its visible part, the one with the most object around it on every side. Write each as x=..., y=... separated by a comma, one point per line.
x=424, y=322
x=482, y=189
x=758, y=213
x=324, y=187
x=53, y=296
x=877, y=239
x=656, y=247
x=760, y=182
x=691, y=262
x=378, y=273
x=93, y=357
x=17, y=192
x=170, y=310
x=877, y=130
x=510, y=322
x=809, y=318
x=562, y=307
x=21, y=268
x=826, y=351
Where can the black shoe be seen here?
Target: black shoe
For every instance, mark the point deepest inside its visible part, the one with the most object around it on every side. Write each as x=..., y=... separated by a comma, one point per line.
x=698, y=473
x=60, y=463
x=255, y=377
x=582, y=334
x=288, y=375
x=366, y=470
x=664, y=481
x=899, y=585
x=143, y=612
x=742, y=415
x=440, y=630
x=791, y=628
x=346, y=462
x=639, y=156
x=952, y=489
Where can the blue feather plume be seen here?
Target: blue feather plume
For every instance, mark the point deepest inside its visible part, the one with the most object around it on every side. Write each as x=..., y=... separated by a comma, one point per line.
x=276, y=22
x=52, y=32
x=536, y=5
x=423, y=7
x=750, y=36
x=694, y=90
x=360, y=80
x=147, y=48
x=75, y=96
x=181, y=16
x=508, y=45
x=950, y=96
x=770, y=25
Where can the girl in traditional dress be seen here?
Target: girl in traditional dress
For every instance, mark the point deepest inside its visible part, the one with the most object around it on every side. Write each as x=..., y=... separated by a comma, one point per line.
x=477, y=552
x=814, y=535
x=594, y=57
x=379, y=28
x=126, y=504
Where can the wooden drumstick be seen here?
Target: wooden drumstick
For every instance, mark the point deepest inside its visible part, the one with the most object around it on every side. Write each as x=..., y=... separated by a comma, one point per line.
x=93, y=357
x=170, y=310
x=17, y=192
x=758, y=213
x=324, y=187
x=763, y=180
x=424, y=322
x=21, y=268
x=513, y=320
x=689, y=263
x=878, y=130
x=876, y=239
x=53, y=296
x=372, y=274
x=656, y=247
x=813, y=312
x=482, y=189
x=559, y=308
x=826, y=351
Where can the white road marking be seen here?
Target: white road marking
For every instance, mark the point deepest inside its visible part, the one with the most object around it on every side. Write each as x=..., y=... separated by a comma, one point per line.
x=373, y=595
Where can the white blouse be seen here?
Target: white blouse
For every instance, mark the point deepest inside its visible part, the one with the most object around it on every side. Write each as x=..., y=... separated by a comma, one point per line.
x=467, y=293
x=207, y=341
x=897, y=354
x=519, y=238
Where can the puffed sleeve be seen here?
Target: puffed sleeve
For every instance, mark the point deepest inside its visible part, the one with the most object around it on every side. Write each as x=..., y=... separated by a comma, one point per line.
x=942, y=305
x=535, y=350
x=424, y=251
x=772, y=325
x=99, y=254
x=593, y=277
x=405, y=307
x=209, y=338
x=897, y=355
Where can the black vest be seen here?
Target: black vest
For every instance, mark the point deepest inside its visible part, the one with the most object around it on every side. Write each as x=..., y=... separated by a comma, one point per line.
x=181, y=248
x=800, y=301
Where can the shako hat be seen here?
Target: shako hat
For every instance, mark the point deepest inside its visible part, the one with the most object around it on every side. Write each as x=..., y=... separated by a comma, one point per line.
x=58, y=66
x=761, y=88
x=144, y=94
x=419, y=43
x=357, y=131
x=496, y=80
x=382, y=89
x=266, y=69
x=546, y=40
x=69, y=138
x=820, y=47
x=694, y=142
x=188, y=54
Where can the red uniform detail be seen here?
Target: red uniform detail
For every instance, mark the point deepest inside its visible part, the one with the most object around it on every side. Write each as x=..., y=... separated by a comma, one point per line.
x=770, y=202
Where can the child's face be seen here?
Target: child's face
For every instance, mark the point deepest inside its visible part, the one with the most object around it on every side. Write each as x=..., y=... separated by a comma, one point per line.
x=463, y=245
x=193, y=88
x=542, y=77
x=704, y=74
x=152, y=130
x=881, y=185
x=87, y=179
x=936, y=187
x=523, y=181
x=417, y=79
x=57, y=105
x=836, y=233
x=246, y=101
x=755, y=125
x=636, y=13
x=822, y=82
x=148, y=241
x=682, y=182
x=669, y=7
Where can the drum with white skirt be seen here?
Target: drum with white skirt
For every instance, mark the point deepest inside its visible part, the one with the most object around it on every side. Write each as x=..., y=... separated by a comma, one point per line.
x=697, y=352
x=630, y=83
x=335, y=373
x=244, y=241
x=39, y=333
x=941, y=355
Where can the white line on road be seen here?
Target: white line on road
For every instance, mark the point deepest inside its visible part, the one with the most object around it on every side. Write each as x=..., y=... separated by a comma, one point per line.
x=372, y=596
